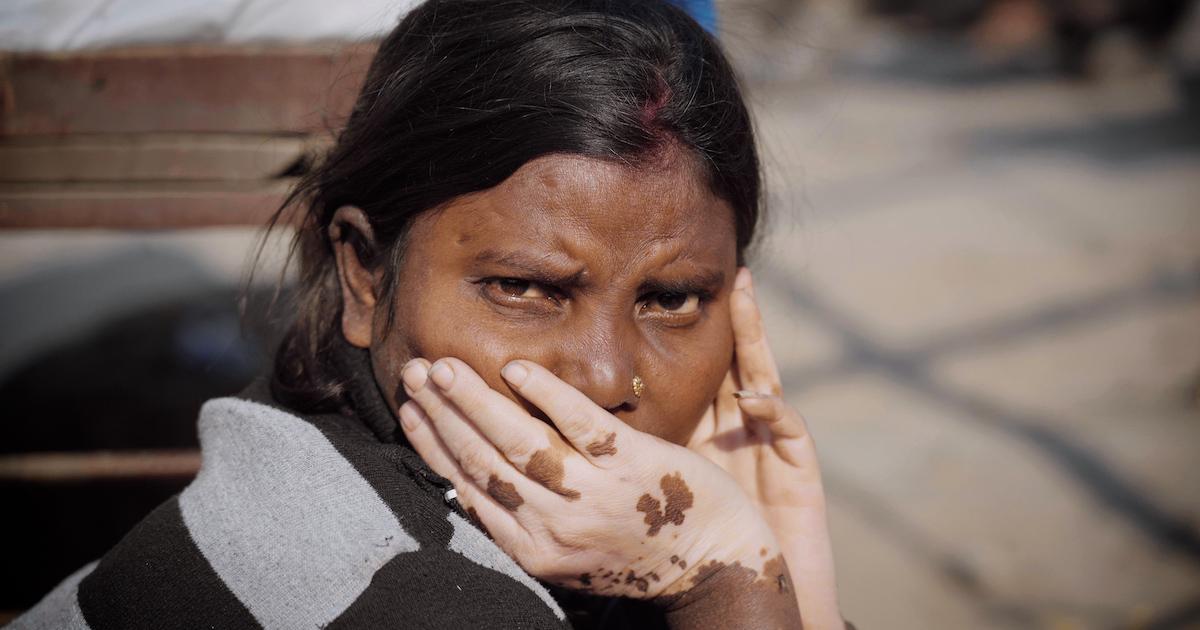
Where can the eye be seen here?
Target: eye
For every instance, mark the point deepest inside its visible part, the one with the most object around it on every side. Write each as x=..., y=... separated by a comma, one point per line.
x=518, y=293
x=674, y=303
x=517, y=288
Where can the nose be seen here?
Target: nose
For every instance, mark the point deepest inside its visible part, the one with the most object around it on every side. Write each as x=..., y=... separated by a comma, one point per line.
x=598, y=358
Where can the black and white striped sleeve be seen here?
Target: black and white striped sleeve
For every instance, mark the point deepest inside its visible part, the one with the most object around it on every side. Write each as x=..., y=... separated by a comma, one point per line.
x=294, y=524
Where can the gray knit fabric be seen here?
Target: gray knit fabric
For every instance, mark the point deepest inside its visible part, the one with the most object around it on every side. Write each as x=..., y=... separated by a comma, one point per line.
x=471, y=543
x=295, y=522
x=59, y=610
x=249, y=514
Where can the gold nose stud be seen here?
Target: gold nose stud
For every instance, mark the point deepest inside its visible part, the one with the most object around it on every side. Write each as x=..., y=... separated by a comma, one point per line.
x=638, y=386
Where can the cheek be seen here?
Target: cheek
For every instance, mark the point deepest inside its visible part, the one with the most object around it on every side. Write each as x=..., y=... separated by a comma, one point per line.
x=687, y=375
x=422, y=329
x=442, y=323
x=457, y=333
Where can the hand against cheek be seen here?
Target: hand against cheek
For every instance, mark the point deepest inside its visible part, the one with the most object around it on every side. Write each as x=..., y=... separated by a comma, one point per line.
x=595, y=506
x=763, y=443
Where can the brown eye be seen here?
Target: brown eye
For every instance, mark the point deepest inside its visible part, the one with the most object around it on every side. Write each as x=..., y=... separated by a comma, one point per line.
x=675, y=303
x=517, y=288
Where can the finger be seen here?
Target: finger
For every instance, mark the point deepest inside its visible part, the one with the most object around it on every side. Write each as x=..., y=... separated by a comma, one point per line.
x=504, y=423
x=773, y=413
x=716, y=416
x=478, y=459
x=756, y=365
x=528, y=444
x=728, y=418
x=499, y=522
x=593, y=431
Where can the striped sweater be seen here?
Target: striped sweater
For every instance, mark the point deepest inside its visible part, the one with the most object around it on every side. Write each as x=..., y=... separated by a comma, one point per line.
x=302, y=522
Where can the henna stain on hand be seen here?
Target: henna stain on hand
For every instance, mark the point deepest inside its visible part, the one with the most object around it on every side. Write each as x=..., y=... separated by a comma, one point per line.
x=654, y=517
x=722, y=592
x=638, y=582
x=774, y=574
x=776, y=570
x=504, y=493
x=546, y=468
x=679, y=499
x=607, y=447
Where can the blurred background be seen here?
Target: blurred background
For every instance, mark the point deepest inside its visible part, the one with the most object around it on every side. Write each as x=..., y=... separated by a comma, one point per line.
x=981, y=278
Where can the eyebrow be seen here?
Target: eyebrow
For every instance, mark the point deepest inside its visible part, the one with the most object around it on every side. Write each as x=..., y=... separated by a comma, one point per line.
x=704, y=279
x=538, y=268
x=545, y=270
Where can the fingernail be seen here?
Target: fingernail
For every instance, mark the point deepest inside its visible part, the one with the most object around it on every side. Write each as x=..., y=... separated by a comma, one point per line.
x=743, y=279
x=410, y=418
x=442, y=375
x=414, y=376
x=745, y=393
x=515, y=373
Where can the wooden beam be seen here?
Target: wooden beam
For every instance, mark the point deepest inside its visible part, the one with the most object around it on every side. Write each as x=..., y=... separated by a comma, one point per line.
x=74, y=467
x=193, y=88
x=150, y=157
x=140, y=206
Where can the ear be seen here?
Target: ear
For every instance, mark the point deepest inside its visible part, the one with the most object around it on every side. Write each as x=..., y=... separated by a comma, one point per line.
x=352, y=238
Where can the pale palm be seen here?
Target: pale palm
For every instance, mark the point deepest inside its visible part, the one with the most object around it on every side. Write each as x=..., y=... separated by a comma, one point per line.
x=763, y=443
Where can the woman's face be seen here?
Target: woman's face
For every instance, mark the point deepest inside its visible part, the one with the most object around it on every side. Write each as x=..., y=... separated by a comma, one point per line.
x=596, y=271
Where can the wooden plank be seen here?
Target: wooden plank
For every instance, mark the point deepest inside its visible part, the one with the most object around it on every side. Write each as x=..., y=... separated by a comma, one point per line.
x=73, y=467
x=147, y=206
x=145, y=157
x=194, y=88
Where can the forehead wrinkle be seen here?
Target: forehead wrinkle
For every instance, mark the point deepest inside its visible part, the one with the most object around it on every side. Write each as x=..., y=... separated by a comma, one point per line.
x=565, y=209
x=665, y=253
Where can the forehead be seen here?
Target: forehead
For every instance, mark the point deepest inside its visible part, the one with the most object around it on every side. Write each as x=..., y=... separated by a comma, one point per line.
x=599, y=210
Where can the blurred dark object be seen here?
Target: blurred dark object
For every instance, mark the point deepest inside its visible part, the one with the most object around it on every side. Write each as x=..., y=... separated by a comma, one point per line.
x=1073, y=29
x=136, y=383
x=938, y=14
x=1080, y=24
x=132, y=387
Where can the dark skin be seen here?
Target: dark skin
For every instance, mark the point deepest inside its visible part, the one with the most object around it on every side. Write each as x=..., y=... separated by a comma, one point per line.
x=606, y=242
x=597, y=272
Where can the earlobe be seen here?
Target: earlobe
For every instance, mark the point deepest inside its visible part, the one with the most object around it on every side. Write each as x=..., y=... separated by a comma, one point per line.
x=353, y=240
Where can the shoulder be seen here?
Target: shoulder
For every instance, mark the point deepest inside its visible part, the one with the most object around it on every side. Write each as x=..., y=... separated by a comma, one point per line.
x=295, y=521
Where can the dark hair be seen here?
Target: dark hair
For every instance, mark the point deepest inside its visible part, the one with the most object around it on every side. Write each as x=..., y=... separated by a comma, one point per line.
x=463, y=93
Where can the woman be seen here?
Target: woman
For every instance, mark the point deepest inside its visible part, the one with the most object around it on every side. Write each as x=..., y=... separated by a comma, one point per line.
x=523, y=311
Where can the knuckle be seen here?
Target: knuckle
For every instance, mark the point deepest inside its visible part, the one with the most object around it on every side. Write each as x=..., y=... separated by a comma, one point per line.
x=754, y=333
x=475, y=463
x=465, y=398
x=746, y=307
x=520, y=450
x=429, y=401
x=516, y=452
x=577, y=420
